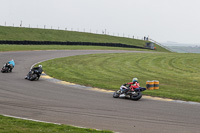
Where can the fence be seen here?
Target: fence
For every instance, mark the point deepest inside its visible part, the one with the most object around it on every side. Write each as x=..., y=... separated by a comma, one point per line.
x=100, y=31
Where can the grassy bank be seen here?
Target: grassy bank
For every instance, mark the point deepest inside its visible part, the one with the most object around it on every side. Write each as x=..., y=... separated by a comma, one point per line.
x=61, y=47
x=13, y=125
x=33, y=34
x=179, y=74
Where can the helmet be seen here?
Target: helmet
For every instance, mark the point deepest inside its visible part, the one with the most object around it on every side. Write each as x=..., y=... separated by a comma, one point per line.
x=40, y=66
x=135, y=80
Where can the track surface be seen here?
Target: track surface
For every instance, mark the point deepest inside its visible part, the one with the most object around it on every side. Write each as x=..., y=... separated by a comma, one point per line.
x=46, y=101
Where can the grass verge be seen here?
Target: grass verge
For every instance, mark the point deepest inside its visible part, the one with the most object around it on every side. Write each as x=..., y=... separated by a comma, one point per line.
x=62, y=47
x=34, y=34
x=179, y=74
x=13, y=125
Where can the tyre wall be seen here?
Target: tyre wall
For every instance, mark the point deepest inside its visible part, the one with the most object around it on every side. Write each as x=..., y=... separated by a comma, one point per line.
x=68, y=43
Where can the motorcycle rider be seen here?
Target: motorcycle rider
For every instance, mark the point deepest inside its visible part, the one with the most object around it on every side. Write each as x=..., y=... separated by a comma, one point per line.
x=39, y=69
x=10, y=64
x=132, y=85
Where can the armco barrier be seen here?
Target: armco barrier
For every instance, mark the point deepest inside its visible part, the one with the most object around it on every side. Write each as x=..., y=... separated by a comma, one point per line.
x=67, y=43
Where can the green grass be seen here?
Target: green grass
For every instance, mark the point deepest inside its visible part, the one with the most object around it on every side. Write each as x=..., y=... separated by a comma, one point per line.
x=179, y=74
x=61, y=47
x=33, y=34
x=13, y=125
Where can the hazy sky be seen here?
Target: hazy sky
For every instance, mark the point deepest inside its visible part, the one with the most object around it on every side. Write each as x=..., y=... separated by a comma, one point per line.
x=161, y=20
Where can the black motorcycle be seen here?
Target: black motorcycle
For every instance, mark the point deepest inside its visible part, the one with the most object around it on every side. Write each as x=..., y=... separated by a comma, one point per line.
x=34, y=74
x=6, y=68
x=135, y=94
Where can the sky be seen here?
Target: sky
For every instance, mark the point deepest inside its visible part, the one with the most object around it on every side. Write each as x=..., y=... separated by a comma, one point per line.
x=161, y=20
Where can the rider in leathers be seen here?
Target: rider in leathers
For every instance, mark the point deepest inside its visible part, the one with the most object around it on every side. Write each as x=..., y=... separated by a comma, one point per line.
x=39, y=69
x=10, y=65
x=132, y=85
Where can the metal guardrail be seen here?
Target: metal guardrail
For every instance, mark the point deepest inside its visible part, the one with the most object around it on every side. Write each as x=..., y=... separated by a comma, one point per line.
x=151, y=40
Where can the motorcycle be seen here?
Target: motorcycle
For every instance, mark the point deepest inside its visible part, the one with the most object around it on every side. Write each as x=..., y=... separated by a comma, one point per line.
x=33, y=75
x=6, y=68
x=134, y=94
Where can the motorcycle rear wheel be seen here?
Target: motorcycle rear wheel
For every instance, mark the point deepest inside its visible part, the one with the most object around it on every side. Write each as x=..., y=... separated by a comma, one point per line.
x=136, y=97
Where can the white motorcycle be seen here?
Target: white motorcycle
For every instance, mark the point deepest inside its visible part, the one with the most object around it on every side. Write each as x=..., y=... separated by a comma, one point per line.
x=135, y=94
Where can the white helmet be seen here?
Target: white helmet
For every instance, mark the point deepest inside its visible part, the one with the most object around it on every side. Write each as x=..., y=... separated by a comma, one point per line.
x=40, y=66
x=135, y=79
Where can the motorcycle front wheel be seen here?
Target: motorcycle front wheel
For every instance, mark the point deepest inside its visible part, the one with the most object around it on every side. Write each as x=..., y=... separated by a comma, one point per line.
x=115, y=94
x=136, y=97
x=33, y=77
x=4, y=71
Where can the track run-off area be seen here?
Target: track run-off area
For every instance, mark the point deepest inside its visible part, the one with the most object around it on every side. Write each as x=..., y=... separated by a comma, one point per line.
x=45, y=100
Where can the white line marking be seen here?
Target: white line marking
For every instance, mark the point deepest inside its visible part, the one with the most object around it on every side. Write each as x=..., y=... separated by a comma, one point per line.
x=30, y=119
x=23, y=118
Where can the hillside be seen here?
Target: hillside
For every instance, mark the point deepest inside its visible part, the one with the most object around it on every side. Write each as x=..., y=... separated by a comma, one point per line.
x=185, y=49
x=33, y=34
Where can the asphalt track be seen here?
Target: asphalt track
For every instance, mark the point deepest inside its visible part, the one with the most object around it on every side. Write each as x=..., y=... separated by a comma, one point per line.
x=57, y=103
